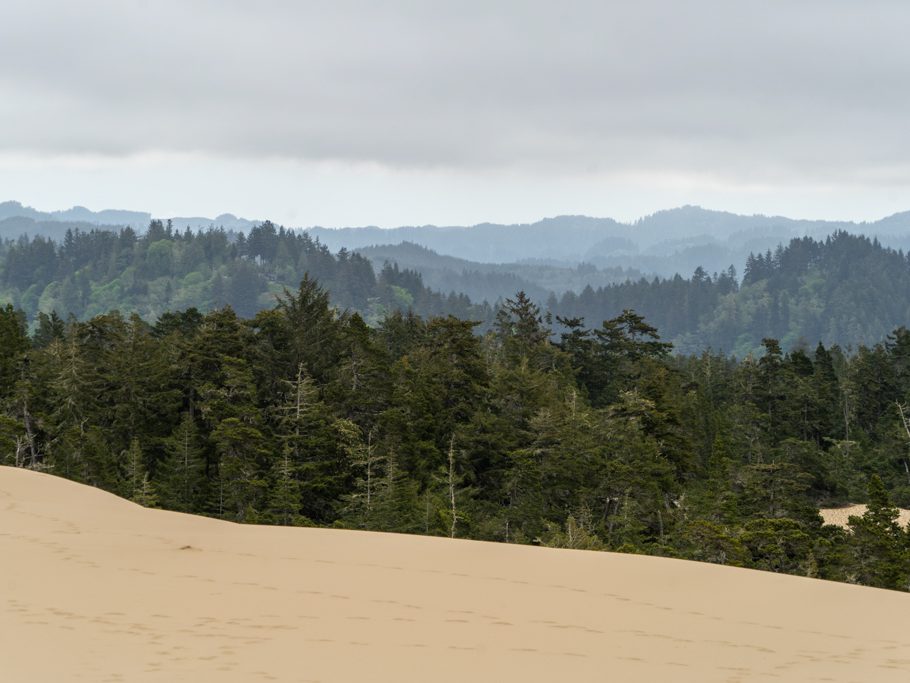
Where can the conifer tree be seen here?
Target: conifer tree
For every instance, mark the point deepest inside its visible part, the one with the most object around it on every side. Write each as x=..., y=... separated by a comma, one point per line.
x=284, y=501
x=317, y=443
x=13, y=345
x=181, y=474
x=398, y=506
x=879, y=552
x=368, y=463
x=241, y=449
x=71, y=399
x=137, y=477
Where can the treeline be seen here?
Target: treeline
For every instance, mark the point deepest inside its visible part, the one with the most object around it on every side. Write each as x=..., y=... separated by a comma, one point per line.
x=90, y=273
x=845, y=290
x=597, y=439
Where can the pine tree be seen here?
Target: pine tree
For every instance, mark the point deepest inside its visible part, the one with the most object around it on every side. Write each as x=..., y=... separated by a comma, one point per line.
x=71, y=398
x=13, y=345
x=521, y=332
x=140, y=489
x=181, y=475
x=241, y=448
x=284, y=500
x=368, y=462
x=317, y=444
x=313, y=328
x=879, y=552
x=398, y=506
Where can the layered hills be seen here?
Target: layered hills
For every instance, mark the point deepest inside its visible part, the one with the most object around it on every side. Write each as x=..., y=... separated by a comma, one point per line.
x=705, y=279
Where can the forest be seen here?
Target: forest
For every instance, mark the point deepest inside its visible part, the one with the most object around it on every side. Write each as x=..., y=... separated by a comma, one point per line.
x=845, y=289
x=88, y=273
x=597, y=438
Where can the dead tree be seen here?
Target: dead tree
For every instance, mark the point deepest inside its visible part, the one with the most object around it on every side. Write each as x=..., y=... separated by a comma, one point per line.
x=451, y=482
x=905, y=421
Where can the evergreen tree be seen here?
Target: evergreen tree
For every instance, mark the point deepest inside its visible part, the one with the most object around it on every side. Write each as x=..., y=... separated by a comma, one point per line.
x=13, y=345
x=137, y=477
x=369, y=464
x=879, y=552
x=243, y=485
x=284, y=500
x=181, y=475
x=303, y=415
x=398, y=505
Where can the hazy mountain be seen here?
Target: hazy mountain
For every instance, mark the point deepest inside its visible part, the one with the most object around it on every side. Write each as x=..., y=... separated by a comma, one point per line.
x=85, y=219
x=667, y=242
x=78, y=214
x=664, y=243
x=492, y=281
x=228, y=221
x=564, y=238
x=16, y=226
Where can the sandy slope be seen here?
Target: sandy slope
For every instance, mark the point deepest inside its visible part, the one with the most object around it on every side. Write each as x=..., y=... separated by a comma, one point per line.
x=94, y=588
x=840, y=516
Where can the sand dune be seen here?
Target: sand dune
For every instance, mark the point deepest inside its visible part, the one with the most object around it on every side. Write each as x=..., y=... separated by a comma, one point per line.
x=840, y=516
x=94, y=588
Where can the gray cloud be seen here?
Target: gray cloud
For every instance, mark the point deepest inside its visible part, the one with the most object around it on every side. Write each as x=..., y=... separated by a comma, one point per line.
x=746, y=90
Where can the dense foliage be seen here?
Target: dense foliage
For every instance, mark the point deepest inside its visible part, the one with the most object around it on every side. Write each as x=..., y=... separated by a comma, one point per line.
x=845, y=290
x=90, y=273
x=601, y=439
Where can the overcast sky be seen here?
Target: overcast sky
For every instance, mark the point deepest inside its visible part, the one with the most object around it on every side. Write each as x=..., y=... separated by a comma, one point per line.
x=350, y=113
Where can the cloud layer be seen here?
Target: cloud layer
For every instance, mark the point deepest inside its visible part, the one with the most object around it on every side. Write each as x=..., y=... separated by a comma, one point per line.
x=747, y=90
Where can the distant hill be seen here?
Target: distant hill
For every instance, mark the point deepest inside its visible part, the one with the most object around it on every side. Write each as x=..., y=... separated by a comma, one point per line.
x=488, y=261
x=844, y=289
x=563, y=238
x=14, y=227
x=493, y=281
x=164, y=269
x=665, y=243
x=54, y=223
x=77, y=215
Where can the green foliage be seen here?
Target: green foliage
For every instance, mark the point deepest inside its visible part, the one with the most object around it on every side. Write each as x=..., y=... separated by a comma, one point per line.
x=91, y=273
x=137, y=481
x=879, y=551
x=13, y=345
x=845, y=289
x=181, y=473
x=306, y=415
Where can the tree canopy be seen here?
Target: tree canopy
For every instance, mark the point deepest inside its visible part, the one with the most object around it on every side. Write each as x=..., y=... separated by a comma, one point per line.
x=586, y=438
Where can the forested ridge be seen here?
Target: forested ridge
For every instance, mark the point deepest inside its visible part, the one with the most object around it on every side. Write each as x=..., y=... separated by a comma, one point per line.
x=593, y=438
x=495, y=281
x=88, y=273
x=845, y=289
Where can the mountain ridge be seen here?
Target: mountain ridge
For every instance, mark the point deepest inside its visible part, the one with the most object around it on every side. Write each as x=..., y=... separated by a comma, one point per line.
x=664, y=243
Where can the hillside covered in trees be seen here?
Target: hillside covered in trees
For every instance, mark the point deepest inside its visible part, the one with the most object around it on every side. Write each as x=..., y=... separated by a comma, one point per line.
x=87, y=273
x=845, y=290
x=597, y=439
x=494, y=281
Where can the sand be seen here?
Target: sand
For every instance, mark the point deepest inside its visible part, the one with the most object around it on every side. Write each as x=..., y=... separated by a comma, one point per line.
x=95, y=588
x=840, y=516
